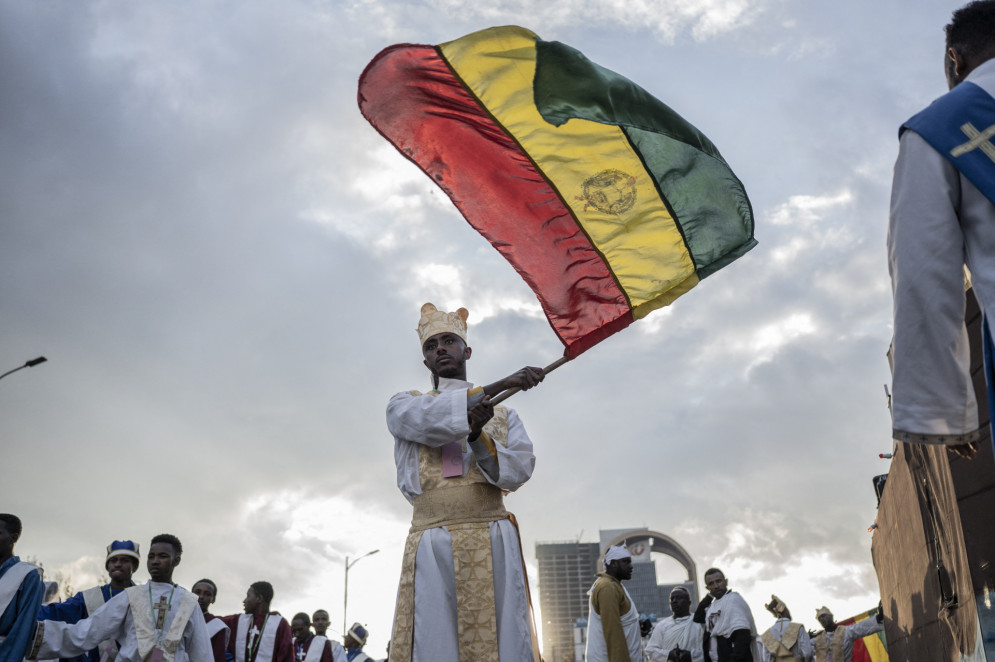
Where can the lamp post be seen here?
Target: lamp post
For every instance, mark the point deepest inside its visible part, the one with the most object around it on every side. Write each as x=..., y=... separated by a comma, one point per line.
x=27, y=364
x=345, y=600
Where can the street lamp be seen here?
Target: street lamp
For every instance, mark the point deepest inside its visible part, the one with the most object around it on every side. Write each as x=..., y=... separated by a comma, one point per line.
x=27, y=364
x=345, y=600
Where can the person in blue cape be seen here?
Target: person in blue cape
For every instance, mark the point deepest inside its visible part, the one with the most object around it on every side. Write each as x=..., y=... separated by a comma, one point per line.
x=123, y=560
x=942, y=216
x=21, y=592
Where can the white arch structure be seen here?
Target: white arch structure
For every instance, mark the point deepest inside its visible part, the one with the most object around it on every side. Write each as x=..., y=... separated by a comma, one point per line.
x=664, y=544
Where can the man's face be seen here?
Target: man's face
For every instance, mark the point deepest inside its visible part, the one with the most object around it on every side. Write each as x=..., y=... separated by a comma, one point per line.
x=623, y=568
x=252, y=602
x=320, y=621
x=350, y=642
x=162, y=559
x=826, y=620
x=445, y=355
x=205, y=595
x=7, y=540
x=680, y=603
x=716, y=584
x=120, y=568
x=300, y=629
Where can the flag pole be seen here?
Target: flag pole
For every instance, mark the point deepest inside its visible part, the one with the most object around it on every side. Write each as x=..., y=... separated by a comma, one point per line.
x=504, y=395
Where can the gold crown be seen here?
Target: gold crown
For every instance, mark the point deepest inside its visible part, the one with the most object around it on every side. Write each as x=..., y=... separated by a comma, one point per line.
x=434, y=321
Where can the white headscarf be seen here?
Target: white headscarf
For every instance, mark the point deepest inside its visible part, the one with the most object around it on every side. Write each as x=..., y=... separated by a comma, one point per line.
x=615, y=552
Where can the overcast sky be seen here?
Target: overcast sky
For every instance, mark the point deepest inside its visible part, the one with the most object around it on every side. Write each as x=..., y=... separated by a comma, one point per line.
x=224, y=264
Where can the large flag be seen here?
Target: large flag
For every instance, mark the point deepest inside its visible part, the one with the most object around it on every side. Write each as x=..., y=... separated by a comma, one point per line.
x=606, y=201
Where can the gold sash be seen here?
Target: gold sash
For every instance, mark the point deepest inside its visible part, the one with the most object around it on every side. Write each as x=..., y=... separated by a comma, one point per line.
x=472, y=503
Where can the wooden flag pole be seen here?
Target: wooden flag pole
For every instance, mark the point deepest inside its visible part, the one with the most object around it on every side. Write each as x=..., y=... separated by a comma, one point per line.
x=504, y=395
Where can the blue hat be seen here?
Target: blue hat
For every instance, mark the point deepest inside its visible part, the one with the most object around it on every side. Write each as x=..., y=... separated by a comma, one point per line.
x=123, y=548
x=359, y=633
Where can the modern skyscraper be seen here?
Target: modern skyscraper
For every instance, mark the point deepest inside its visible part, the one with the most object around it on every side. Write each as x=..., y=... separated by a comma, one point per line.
x=566, y=572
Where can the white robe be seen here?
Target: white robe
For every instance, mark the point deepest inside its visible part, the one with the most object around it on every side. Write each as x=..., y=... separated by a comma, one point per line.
x=435, y=421
x=726, y=615
x=939, y=221
x=114, y=621
x=672, y=633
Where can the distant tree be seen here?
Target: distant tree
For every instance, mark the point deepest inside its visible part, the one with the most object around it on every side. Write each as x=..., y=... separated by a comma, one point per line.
x=64, y=581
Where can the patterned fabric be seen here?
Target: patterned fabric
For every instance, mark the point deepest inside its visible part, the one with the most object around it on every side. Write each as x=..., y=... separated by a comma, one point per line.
x=477, y=619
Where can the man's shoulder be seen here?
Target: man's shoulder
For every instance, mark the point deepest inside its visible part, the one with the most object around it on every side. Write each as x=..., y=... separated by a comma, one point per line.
x=231, y=620
x=733, y=596
x=134, y=590
x=968, y=96
x=605, y=583
x=24, y=572
x=730, y=599
x=283, y=621
x=788, y=627
x=186, y=596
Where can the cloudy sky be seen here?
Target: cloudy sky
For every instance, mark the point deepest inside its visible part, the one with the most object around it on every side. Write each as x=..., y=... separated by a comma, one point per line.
x=224, y=264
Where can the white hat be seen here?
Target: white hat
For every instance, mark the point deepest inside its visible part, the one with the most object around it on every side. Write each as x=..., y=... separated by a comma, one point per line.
x=615, y=553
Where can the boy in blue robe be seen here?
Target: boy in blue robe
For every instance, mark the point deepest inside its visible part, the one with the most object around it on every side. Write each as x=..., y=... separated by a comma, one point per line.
x=21, y=592
x=123, y=560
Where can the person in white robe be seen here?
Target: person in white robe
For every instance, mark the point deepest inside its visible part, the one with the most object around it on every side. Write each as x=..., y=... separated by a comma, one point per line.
x=677, y=632
x=835, y=643
x=613, y=632
x=785, y=640
x=941, y=220
x=154, y=622
x=321, y=620
x=729, y=622
x=463, y=593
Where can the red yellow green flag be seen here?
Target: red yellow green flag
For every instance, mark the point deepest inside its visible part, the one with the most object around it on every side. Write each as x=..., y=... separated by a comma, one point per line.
x=606, y=201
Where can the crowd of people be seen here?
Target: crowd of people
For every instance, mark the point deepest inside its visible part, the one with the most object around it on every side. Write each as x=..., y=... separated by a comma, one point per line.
x=154, y=622
x=720, y=628
x=463, y=593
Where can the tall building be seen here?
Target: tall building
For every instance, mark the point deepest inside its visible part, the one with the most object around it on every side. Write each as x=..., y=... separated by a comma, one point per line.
x=567, y=570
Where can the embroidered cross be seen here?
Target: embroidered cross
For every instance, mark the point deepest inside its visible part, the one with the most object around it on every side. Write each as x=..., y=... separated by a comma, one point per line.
x=253, y=633
x=978, y=139
x=161, y=609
